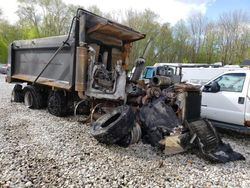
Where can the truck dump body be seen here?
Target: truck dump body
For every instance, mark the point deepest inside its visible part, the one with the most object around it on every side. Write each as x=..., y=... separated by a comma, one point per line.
x=30, y=56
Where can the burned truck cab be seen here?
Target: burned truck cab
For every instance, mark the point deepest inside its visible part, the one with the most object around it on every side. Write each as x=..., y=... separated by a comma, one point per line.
x=102, y=56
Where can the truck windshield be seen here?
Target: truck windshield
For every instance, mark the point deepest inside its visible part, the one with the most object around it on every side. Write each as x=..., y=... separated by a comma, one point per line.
x=149, y=73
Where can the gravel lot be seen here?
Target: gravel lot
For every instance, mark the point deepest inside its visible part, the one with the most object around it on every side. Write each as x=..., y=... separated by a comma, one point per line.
x=40, y=150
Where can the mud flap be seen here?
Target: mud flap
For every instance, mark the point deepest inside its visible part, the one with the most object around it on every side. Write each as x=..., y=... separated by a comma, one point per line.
x=210, y=144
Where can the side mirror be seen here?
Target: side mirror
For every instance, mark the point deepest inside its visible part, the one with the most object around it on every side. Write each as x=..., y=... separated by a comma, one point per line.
x=215, y=87
x=212, y=87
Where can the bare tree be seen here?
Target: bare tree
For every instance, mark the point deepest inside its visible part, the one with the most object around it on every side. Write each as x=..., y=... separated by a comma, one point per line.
x=210, y=42
x=163, y=45
x=145, y=22
x=180, y=46
x=233, y=32
x=197, y=24
x=48, y=17
x=28, y=14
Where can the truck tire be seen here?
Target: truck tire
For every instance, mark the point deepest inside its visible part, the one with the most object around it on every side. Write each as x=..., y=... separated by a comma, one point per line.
x=17, y=94
x=57, y=104
x=133, y=137
x=115, y=126
x=32, y=97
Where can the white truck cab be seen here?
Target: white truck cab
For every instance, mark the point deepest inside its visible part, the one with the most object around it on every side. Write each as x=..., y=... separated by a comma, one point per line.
x=226, y=101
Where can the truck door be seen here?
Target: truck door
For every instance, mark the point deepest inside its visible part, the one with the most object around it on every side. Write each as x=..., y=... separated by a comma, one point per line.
x=227, y=104
x=247, y=110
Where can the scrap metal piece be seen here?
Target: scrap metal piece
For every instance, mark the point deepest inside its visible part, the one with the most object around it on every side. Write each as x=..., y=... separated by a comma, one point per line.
x=134, y=90
x=181, y=87
x=151, y=93
x=193, y=138
x=188, y=99
x=139, y=65
x=161, y=80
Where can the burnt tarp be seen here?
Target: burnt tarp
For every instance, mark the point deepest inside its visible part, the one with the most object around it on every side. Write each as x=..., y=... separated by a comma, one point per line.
x=210, y=145
x=157, y=121
x=224, y=153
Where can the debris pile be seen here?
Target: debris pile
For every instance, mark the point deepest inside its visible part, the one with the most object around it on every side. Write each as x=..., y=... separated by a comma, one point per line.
x=167, y=118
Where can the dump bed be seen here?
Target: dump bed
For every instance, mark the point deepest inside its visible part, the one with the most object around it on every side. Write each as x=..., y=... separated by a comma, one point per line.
x=29, y=57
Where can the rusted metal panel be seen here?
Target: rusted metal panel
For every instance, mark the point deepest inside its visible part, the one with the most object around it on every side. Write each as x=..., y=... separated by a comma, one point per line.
x=98, y=24
x=107, y=40
x=116, y=31
x=116, y=56
x=43, y=81
x=182, y=87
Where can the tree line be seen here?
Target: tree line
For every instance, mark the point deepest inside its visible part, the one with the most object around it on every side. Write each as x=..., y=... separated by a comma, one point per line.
x=194, y=40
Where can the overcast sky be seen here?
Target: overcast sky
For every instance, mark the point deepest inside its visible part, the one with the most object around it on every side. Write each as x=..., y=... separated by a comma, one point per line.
x=169, y=10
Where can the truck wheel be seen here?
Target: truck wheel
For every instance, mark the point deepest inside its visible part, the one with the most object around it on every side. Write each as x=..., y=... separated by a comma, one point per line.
x=32, y=97
x=17, y=94
x=115, y=126
x=57, y=104
x=133, y=137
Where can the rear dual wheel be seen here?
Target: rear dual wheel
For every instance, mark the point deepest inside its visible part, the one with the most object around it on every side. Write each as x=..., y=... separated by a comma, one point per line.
x=33, y=97
x=17, y=94
x=57, y=103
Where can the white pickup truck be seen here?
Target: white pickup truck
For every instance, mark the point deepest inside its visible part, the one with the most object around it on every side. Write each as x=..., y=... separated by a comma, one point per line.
x=226, y=101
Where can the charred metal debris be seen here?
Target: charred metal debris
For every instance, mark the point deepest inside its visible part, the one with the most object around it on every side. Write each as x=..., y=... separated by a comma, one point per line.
x=165, y=115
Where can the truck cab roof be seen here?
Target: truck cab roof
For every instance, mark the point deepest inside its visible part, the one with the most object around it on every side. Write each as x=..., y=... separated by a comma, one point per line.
x=107, y=31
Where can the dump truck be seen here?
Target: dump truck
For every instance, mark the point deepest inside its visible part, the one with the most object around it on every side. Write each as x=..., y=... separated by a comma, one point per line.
x=90, y=62
x=85, y=72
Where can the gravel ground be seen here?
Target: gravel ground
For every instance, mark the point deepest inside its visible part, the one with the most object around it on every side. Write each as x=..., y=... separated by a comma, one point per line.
x=40, y=150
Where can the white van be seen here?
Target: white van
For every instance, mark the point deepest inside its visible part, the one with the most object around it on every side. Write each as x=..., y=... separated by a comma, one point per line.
x=226, y=101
